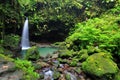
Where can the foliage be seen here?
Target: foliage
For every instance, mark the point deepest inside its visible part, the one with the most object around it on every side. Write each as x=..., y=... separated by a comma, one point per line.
x=56, y=75
x=117, y=76
x=5, y=58
x=98, y=32
x=27, y=68
x=73, y=63
x=44, y=15
x=32, y=54
x=65, y=54
x=82, y=55
x=100, y=64
x=1, y=50
x=11, y=41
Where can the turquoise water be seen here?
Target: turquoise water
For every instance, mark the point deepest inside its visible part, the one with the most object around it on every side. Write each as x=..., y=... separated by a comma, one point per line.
x=44, y=51
x=47, y=50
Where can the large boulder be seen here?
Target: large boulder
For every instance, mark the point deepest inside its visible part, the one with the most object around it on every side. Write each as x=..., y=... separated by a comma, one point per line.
x=32, y=53
x=100, y=64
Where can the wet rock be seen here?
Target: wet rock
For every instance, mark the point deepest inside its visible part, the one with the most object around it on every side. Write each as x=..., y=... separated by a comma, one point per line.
x=48, y=75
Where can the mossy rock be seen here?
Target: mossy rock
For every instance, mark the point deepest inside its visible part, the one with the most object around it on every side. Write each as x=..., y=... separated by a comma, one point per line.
x=32, y=53
x=117, y=76
x=65, y=54
x=82, y=55
x=100, y=64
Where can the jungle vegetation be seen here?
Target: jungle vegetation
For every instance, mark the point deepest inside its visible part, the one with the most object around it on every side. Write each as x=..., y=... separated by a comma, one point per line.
x=82, y=26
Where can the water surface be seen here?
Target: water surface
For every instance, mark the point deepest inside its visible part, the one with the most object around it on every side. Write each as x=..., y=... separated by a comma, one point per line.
x=47, y=50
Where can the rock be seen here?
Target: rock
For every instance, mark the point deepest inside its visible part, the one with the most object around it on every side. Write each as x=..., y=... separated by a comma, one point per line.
x=60, y=70
x=100, y=64
x=43, y=64
x=32, y=53
x=8, y=70
x=55, y=56
x=69, y=76
x=16, y=75
x=48, y=75
x=62, y=77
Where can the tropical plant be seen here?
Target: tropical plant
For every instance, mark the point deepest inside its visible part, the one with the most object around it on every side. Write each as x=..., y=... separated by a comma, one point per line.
x=27, y=68
x=98, y=32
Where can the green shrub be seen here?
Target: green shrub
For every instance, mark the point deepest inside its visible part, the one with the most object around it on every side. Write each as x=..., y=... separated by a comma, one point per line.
x=27, y=68
x=56, y=75
x=11, y=41
x=103, y=32
x=32, y=53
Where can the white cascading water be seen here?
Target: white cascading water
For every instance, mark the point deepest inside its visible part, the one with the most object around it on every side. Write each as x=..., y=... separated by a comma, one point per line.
x=25, y=44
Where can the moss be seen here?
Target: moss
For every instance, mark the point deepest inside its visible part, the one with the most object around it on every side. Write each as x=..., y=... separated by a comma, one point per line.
x=5, y=58
x=100, y=64
x=117, y=76
x=32, y=54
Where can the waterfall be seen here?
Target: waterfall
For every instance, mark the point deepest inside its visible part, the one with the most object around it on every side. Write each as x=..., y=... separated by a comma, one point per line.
x=25, y=44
